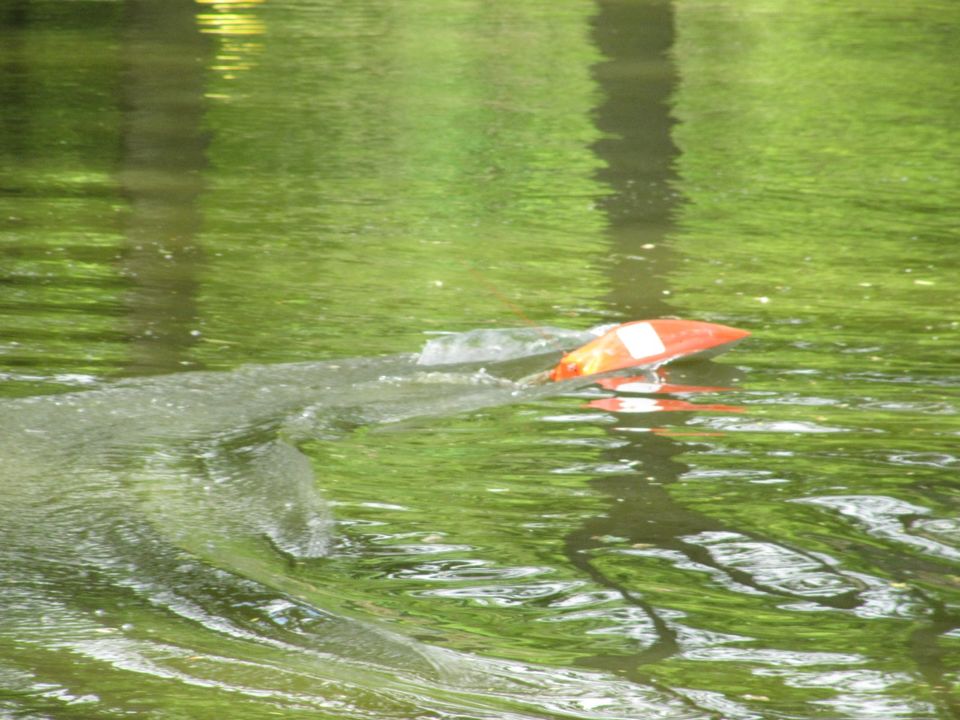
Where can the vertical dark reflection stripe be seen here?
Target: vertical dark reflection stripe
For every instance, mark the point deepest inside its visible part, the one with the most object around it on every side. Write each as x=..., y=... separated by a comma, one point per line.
x=637, y=81
x=14, y=79
x=162, y=158
x=13, y=14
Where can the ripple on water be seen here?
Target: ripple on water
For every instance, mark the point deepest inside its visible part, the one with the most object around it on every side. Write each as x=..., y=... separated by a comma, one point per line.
x=861, y=694
x=466, y=570
x=884, y=517
x=793, y=427
x=918, y=408
x=775, y=568
x=945, y=529
x=772, y=657
x=940, y=461
x=424, y=548
x=628, y=622
x=502, y=595
x=587, y=599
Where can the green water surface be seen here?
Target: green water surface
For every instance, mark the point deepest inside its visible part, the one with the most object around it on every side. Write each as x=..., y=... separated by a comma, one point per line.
x=228, y=490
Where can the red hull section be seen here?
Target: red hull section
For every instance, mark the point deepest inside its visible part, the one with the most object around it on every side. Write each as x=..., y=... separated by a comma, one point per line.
x=647, y=343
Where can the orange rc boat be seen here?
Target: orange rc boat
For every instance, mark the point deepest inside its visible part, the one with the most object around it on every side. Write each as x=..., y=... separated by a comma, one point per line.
x=649, y=344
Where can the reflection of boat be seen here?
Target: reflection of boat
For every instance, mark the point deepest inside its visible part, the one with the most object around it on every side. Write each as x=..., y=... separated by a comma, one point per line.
x=654, y=385
x=647, y=343
x=633, y=405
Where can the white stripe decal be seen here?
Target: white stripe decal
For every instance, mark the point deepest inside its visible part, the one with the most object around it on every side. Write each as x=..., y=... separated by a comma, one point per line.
x=641, y=340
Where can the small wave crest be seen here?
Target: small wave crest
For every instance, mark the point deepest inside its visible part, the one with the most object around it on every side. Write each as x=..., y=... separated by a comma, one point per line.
x=500, y=345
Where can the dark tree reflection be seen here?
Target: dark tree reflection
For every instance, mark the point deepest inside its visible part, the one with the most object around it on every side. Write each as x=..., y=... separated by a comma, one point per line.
x=163, y=156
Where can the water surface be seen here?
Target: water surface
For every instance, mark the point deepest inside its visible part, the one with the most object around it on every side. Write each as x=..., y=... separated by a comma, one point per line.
x=227, y=229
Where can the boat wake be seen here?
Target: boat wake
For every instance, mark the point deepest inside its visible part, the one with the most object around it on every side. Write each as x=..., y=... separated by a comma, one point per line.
x=154, y=526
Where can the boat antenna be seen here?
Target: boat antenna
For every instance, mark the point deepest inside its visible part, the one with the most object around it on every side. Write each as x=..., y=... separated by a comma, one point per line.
x=505, y=301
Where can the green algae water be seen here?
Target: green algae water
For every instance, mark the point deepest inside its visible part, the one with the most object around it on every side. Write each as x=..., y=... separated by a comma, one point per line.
x=265, y=450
